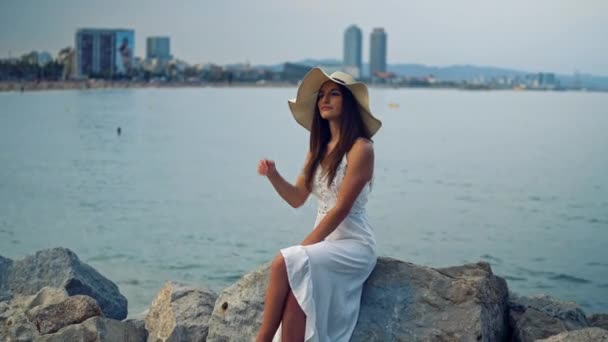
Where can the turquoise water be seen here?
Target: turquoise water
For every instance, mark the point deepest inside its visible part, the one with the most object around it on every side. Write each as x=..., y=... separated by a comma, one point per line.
x=518, y=179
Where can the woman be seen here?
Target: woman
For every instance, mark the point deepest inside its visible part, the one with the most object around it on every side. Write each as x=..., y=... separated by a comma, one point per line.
x=314, y=290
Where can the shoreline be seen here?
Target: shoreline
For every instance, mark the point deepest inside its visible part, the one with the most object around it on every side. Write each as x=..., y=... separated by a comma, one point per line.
x=22, y=86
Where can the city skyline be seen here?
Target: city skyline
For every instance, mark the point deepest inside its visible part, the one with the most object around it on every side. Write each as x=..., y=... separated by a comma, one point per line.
x=557, y=36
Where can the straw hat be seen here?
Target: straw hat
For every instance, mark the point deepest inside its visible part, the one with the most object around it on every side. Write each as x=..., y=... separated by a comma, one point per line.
x=303, y=106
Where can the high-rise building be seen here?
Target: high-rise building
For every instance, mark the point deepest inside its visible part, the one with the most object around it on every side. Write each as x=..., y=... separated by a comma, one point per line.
x=104, y=53
x=352, y=51
x=158, y=47
x=377, y=52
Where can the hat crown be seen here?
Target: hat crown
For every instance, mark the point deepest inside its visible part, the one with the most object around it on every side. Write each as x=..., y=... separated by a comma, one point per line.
x=342, y=77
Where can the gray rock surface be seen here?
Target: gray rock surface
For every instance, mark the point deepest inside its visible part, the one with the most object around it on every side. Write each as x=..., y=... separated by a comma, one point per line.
x=180, y=313
x=542, y=316
x=72, y=310
x=401, y=302
x=46, y=296
x=599, y=320
x=6, y=266
x=140, y=326
x=237, y=314
x=61, y=268
x=96, y=329
x=405, y=302
x=14, y=323
x=26, y=317
x=592, y=334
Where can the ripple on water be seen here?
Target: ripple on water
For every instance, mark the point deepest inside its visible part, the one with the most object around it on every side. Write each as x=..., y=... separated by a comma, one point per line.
x=535, y=273
x=133, y=282
x=492, y=258
x=541, y=286
x=467, y=198
x=229, y=278
x=567, y=278
x=595, y=220
x=597, y=264
x=514, y=278
x=108, y=257
x=182, y=267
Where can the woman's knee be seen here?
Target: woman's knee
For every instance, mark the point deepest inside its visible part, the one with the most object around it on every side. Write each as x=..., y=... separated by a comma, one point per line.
x=278, y=264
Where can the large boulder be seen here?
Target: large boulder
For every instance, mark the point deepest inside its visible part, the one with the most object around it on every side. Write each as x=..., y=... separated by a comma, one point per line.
x=599, y=320
x=61, y=268
x=15, y=324
x=592, y=334
x=180, y=313
x=541, y=316
x=401, y=302
x=72, y=310
x=237, y=314
x=96, y=329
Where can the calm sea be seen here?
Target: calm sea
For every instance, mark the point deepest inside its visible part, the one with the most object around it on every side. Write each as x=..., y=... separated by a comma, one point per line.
x=518, y=179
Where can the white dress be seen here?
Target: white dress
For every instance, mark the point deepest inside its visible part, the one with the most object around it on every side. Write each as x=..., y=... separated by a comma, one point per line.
x=327, y=277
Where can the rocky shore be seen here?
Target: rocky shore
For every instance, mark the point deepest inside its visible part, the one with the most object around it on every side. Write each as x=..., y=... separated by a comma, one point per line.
x=53, y=296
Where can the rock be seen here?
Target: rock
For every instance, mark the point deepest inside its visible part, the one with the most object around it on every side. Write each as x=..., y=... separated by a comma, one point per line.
x=237, y=314
x=598, y=320
x=541, y=316
x=180, y=313
x=5, y=266
x=50, y=318
x=61, y=268
x=592, y=334
x=46, y=296
x=22, y=318
x=96, y=329
x=14, y=324
x=140, y=327
x=401, y=302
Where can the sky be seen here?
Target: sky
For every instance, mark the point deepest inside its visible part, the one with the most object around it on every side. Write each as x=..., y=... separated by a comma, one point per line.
x=561, y=36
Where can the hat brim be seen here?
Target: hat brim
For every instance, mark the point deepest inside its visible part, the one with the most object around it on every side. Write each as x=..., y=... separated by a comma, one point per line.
x=303, y=106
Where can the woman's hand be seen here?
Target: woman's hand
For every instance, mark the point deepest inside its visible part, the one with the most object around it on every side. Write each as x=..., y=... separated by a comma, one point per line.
x=266, y=168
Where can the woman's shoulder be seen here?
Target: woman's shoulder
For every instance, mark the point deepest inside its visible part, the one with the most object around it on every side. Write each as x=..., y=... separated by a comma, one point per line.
x=362, y=148
x=362, y=144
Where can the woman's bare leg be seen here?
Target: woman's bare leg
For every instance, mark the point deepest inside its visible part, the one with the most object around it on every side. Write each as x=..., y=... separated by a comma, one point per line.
x=294, y=320
x=276, y=293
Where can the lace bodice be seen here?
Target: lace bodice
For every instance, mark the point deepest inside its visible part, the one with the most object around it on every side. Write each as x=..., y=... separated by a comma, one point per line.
x=327, y=196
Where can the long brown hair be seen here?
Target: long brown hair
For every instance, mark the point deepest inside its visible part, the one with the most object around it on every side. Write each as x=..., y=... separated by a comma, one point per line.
x=351, y=128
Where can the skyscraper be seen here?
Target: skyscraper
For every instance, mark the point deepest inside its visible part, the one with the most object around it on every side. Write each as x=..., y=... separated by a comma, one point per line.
x=352, y=51
x=104, y=52
x=377, y=52
x=158, y=47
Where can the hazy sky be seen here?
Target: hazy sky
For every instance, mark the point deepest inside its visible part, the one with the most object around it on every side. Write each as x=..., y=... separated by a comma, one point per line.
x=532, y=35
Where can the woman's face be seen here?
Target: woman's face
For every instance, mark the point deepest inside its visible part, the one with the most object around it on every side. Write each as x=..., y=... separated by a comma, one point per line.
x=329, y=101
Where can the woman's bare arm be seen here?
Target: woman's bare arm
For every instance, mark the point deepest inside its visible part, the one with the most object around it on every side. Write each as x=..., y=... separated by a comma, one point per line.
x=359, y=172
x=295, y=195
